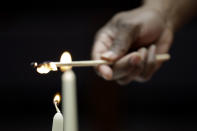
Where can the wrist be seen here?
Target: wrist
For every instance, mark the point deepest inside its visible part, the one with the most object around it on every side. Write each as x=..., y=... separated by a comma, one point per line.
x=176, y=12
x=162, y=12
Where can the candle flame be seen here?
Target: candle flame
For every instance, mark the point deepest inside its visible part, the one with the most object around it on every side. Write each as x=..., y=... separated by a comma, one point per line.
x=57, y=98
x=65, y=58
x=46, y=68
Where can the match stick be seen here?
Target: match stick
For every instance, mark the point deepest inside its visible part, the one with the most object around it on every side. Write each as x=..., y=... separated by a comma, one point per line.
x=159, y=57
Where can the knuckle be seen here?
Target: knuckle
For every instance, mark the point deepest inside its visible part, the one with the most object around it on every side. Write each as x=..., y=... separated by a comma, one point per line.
x=120, y=20
x=119, y=15
x=105, y=32
x=122, y=24
x=128, y=26
x=118, y=48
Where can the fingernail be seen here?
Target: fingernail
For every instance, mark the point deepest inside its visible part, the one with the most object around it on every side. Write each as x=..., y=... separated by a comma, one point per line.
x=109, y=55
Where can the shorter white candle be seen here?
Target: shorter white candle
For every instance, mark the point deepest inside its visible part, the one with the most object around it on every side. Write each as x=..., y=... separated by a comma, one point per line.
x=58, y=118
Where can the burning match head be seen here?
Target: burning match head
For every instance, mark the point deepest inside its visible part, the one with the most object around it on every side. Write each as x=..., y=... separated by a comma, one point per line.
x=35, y=64
x=45, y=67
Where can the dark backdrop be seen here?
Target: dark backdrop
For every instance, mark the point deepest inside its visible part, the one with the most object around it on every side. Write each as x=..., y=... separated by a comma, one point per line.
x=37, y=33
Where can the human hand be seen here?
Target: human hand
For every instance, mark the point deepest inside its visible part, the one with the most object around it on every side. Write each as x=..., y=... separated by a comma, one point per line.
x=144, y=30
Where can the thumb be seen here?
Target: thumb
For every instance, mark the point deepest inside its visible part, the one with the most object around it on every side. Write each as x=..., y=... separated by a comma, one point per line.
x=123, y=39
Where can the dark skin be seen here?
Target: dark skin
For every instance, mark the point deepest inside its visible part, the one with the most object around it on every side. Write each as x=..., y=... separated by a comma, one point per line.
x=148, y=30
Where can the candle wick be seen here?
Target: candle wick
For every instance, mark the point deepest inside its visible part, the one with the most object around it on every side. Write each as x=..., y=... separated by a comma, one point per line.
x=56, y=107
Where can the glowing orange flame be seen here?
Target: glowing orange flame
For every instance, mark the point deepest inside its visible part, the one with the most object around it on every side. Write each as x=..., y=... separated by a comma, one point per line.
x=46, y=68
x=65, y=58
x=43, y=69
x=57, y=98
x=53, y=66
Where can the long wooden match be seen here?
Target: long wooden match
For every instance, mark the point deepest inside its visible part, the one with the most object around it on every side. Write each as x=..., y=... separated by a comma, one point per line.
x=159, y=57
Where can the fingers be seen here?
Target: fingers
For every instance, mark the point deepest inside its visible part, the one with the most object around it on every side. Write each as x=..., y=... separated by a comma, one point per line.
x=164, y=44
x=134, y=67
x=139, y=68
x=112, y=43
x=124, y=37
x=130, y=77
x=151, y=66
x=116, y=49
x=150, y=63
x=102, y=43
x=129, y=63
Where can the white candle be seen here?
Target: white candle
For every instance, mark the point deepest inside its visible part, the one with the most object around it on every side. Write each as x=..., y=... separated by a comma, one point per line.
x=58, y=118
x=69, y=95
x=69, y=101
x=57, y=122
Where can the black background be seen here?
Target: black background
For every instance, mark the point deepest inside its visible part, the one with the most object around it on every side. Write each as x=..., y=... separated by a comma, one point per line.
x=39, y=33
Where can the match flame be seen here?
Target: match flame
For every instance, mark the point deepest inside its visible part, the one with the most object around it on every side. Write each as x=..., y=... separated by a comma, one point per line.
x=53, y=66
x=46, y=68
x=65, y=58
x=43, y=69
x=57, y=98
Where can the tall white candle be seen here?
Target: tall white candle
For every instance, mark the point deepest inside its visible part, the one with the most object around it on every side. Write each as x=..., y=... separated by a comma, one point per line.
x=58, y=118
x=69, y=101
